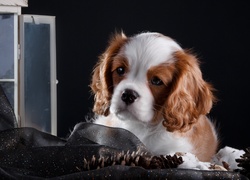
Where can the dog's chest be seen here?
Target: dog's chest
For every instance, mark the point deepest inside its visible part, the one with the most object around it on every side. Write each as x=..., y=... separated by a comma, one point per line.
x=157, y=140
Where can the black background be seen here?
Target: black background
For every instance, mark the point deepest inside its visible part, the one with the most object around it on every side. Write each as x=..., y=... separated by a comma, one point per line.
x=217, y=31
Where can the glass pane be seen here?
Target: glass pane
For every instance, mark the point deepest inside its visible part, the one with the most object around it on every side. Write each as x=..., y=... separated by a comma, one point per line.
x=37, y=76
x=6, y=46
x=8, y=88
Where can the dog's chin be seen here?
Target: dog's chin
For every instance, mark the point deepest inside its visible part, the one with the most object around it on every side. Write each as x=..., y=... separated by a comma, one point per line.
x=123, y=114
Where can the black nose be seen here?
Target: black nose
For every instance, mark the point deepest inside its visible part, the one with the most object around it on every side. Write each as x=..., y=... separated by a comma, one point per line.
x=129, y=96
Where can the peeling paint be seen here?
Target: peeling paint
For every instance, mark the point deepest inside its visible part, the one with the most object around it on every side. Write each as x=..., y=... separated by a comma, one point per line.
x=13, y=2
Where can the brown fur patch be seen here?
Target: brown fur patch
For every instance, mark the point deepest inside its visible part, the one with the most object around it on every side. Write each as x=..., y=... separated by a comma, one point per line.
x=202, y=137
x=190, y=96
x=102, y=85
x=119, y=62
x=165, y=73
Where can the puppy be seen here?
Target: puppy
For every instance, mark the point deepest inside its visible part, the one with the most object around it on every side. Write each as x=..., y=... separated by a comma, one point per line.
x=150, y=86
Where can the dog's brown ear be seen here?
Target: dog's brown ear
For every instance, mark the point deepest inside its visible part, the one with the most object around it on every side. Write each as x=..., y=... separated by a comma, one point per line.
x=190, y=95
x=102, y=85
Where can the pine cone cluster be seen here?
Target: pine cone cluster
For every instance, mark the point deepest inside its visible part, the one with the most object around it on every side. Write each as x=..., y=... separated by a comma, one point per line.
x=131, y=159
x=244, y=162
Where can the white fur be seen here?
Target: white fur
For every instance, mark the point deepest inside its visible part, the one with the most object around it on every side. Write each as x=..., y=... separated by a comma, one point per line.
x=228, y=155
x=155, y=137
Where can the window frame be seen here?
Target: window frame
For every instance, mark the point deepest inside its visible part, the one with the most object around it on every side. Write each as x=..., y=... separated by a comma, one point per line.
x=16, y=54
x=53, y=81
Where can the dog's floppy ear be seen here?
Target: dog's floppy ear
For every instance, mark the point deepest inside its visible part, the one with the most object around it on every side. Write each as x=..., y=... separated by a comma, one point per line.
x=190, y=96
x=102, y=85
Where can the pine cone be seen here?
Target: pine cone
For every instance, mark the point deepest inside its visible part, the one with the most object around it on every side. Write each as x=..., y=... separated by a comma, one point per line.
x=244, y=162
x=131, y=159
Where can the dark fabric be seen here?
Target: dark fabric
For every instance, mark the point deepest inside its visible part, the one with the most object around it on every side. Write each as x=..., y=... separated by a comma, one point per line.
x=7, y=115
x=26, y=153
x=30, y=154
x=124, y=140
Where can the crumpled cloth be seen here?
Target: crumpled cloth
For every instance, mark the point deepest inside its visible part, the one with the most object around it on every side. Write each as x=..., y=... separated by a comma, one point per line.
x=7, y=115
x=26, y=153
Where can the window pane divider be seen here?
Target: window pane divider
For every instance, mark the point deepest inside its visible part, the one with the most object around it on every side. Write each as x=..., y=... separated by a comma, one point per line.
x=7, y=80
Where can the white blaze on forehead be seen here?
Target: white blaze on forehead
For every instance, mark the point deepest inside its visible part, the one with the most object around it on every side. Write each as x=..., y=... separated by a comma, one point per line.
x=149, y=49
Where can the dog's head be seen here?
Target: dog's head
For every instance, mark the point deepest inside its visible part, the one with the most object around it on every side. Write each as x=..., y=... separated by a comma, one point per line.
x=150, y=78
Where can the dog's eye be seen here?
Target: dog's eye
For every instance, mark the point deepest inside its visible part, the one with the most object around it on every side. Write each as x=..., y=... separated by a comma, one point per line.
x=156, y=81
x=120, y=71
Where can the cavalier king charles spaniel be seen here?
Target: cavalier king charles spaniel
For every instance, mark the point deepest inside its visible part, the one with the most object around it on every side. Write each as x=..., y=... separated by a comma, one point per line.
x=148, y=85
